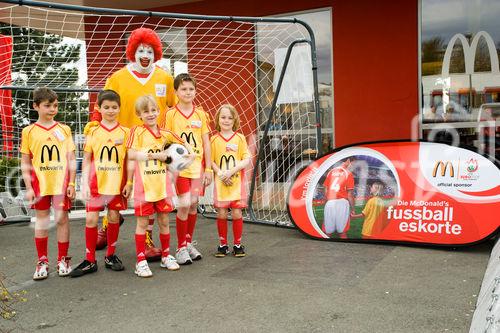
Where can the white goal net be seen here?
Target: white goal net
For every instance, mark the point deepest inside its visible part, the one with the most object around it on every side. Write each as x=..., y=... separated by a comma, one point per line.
x=73, y=50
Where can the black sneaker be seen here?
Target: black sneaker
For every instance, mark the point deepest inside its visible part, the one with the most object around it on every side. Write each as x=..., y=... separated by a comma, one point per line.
x=114, y=263
x=222, y=251
x=86, y=267
x=239, y=251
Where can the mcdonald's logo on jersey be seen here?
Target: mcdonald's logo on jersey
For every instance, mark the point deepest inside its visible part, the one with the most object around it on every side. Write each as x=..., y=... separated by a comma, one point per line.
x=189, y=138
x=443, y=166
x=110, y=152
x=50, y=153
x=154, y=161
x=227, y=160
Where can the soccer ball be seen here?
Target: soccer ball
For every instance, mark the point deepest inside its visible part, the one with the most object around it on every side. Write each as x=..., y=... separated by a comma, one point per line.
x=177, y=157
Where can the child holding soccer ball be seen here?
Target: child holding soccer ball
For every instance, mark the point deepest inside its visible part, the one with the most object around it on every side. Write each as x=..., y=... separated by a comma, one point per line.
x=150, y=185
x=230, y=156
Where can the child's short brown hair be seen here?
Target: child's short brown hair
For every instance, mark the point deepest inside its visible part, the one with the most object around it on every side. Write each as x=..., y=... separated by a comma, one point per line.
x=143, y=102
x=234, y=113
x=184, y=77
x=108, y=95
x=41, y=94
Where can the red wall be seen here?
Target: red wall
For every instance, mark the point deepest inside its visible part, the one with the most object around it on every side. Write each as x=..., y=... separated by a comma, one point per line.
x=375, y=60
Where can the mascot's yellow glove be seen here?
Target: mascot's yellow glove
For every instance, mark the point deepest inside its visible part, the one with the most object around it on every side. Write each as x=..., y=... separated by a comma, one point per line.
x=90, y=125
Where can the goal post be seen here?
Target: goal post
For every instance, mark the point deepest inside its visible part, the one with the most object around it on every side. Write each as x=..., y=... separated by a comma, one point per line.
x=266, y=67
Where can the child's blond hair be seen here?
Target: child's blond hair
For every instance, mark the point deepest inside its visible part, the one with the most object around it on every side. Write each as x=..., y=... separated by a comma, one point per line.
x=143, y=102
x=377, y=187
x=234, y=113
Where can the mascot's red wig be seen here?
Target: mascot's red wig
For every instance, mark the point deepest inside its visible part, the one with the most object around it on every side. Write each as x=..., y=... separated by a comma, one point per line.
x=143, y=36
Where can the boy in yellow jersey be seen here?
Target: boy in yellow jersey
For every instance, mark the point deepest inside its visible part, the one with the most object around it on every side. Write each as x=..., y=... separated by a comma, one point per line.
x=138, y=78
x=230, y=157
x=103, y=182
x=151, y=182
x=49, y=170
x=189, y=123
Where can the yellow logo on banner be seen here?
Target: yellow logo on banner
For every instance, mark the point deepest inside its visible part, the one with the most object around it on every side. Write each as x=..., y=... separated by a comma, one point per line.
x=443, y=166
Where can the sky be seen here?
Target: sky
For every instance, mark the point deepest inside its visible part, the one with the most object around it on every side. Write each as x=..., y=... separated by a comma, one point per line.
x=445, y=18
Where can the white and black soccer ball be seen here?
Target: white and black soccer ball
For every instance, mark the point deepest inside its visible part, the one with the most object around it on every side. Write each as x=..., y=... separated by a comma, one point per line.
x=177, y=157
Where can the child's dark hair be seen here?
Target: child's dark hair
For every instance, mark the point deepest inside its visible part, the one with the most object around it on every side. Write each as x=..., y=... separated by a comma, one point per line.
x=184, y=77
x=108, y=95
x=41, y=94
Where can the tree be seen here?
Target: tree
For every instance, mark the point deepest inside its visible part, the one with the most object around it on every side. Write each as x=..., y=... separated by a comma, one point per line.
x=43, y=59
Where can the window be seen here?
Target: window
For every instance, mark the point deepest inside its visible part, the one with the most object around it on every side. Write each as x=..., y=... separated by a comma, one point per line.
x=460, y=48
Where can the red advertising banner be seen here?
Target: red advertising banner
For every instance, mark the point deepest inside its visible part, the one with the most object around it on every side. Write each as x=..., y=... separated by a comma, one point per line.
x=410, y=192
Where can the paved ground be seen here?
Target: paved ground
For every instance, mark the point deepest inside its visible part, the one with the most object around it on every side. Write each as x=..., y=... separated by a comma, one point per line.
x=287, y=283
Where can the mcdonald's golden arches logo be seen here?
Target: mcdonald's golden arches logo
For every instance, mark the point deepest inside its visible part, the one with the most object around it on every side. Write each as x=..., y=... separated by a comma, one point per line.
x=443, y=167
x=50, y=153
x=189, y=138
x=154, y=161
x=228, y=160
x=110, y=152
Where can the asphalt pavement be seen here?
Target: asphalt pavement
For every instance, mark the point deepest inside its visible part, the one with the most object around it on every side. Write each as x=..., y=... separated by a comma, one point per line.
x=286, y=283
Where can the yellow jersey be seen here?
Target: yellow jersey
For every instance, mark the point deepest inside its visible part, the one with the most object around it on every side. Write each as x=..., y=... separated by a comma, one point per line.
x=150, y=178
x=48, y=149
x=227, y=153
x=159, y=84
x=373, y=208
x=190, y=128
x=108, y=169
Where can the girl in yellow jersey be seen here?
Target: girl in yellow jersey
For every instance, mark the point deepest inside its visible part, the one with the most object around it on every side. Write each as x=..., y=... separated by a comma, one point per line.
x=230, y=156
x=373, y=211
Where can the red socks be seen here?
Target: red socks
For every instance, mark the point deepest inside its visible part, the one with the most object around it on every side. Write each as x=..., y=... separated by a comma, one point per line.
x=41, y=248
x=191, y=223
x=165, y=244
x=41, y=244
x=62, y=248
x=237, y=230
x=90, y=243
x=181, y=230
x=222, y=229
x=140, y=247
x=112, y=237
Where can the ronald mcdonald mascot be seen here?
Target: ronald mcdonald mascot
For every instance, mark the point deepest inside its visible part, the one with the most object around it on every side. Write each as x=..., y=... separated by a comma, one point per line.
x=139, y=77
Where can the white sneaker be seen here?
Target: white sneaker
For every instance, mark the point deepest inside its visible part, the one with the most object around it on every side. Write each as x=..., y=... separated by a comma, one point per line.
x=41, y=271
x=183, y=257
x=142, y=269
x=194, y=254
x=63, y=266
x=169, y=263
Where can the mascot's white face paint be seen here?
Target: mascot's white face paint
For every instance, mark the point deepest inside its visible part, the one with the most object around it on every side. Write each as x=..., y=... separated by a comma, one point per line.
x=144, y=58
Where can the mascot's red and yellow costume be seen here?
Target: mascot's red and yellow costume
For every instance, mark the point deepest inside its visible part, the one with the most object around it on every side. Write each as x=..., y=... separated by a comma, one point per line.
x=139, y=77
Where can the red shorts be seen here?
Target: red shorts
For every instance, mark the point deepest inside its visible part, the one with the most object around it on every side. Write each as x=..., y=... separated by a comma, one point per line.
x=235, y=204
x=98, y=202
x=145, y=208
x=59, y=202
x=192, y=185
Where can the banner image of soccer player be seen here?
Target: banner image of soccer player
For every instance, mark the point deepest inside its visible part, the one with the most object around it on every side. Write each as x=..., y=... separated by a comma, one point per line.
x=406, y=192
x=345, y=201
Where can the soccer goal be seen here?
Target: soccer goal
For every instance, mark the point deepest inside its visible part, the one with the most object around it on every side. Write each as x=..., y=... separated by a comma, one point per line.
x=265, y=67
